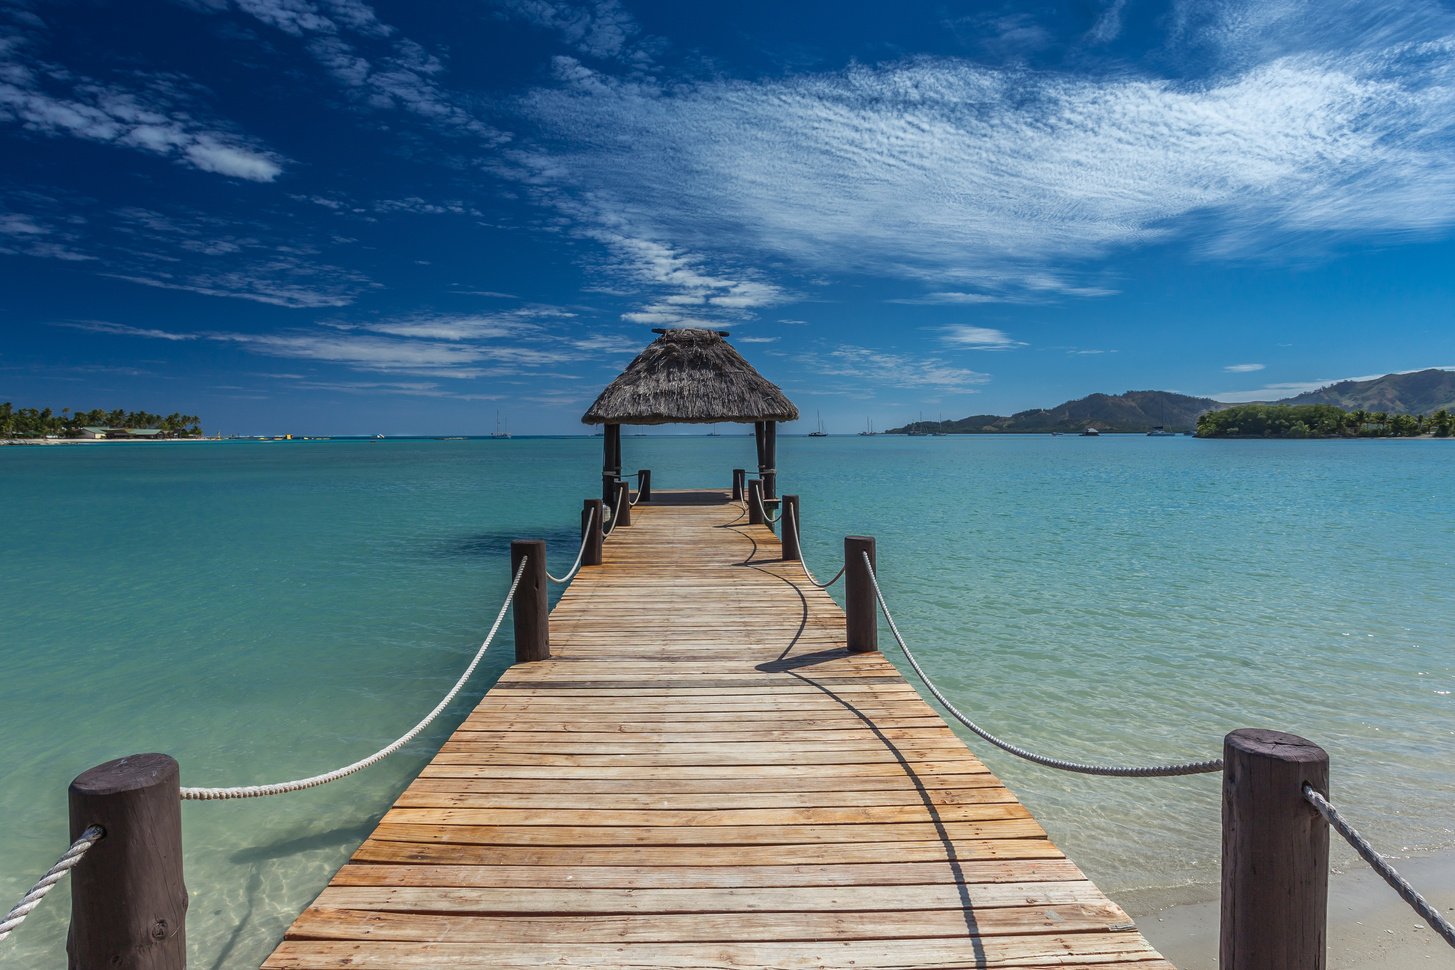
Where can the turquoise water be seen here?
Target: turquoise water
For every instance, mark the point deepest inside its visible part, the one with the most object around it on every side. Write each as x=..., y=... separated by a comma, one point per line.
x=269, y=610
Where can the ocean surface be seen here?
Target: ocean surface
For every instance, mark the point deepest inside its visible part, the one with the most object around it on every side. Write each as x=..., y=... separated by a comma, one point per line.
x=268, y=610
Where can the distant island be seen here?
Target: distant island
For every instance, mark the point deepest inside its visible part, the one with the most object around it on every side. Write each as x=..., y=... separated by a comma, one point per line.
x=1385, y=402
x=1320, y=421
x=94, y=425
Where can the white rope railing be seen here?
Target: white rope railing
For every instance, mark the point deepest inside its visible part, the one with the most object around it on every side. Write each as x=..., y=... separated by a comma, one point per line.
x=789, y=510
x=763, y=511
x=1379, y=864
x=52, y=877
x=580, y=553
x=279, y=788
x=1122, y=771
x=615, y=514
x=639, y=491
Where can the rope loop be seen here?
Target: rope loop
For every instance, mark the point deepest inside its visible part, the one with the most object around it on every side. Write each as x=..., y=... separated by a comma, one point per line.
x=1120, y=771
x=279, y=788
x=1381, y=865
x=763, y=511
x=52, y=877
x=580, y=553
x=793, y=523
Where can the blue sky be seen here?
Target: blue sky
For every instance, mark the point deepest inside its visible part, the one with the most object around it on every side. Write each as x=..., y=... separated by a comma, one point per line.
x=330, y=216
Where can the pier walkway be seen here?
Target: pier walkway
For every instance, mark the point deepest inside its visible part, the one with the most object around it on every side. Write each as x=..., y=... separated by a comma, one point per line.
x=703, y=777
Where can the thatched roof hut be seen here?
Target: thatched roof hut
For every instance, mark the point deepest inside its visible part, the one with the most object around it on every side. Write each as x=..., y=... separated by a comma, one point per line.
x=692, y=377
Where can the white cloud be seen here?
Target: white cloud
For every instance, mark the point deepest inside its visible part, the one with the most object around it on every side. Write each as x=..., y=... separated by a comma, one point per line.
x=126, y=330
x=978, y=338
x=897, y=370
x=598, y=28
x=1275, y=392
x=989, y=182
x=211, y=156
x=1243, y=368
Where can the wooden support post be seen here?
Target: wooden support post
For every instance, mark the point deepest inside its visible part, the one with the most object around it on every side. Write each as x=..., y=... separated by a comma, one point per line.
x=531, y=606
x=740, y=478
x=610, y=462
x=644, y=484
x=760, y=431
x=591, y=526
x=769, y=472
x=861, y=610
x=1275, y=853
x=755, y=501
x=622, y=505
x=128, y=901
x=788, y=516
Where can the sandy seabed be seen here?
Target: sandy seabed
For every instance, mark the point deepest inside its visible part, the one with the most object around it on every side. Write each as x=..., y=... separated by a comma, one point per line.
x=1370, y=928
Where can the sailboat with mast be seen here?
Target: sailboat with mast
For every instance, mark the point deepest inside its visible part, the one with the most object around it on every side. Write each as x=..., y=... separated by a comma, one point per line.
x=501, y=431
x=868, y=431
x=820, y=432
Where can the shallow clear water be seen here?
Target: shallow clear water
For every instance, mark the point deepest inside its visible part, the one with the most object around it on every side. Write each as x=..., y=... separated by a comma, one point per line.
x=268, y=610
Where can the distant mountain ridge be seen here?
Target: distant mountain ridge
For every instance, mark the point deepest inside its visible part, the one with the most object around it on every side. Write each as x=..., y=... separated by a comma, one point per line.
x=1137, y=412
x=1422, y=392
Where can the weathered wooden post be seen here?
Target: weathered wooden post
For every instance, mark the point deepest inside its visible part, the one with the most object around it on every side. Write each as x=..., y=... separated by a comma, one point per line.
x=623, y=507
x=769, y=471
x=1275, y=853
x=861, y=611
x=128, y=901
x=591, y=526
x=740, y=478
x=531, y=606
x=610, y=461
x=755, y=501
x=644, y=484
x=789, y=517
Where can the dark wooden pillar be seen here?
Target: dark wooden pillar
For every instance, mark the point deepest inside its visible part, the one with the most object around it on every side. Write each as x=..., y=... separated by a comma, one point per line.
x=740, y=478
x=788, y=516
x=1275, y=853
x=644, y=485
x=760, y=432
x=861, y=610
x=769, y=472
x=591, y=526
x=128, y=901
x=755, y=501
x=610, y=462
x=622, y=505
x=531, y=606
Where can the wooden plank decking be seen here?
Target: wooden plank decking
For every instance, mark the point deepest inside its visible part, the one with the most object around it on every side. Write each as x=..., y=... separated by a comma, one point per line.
x=703, y=777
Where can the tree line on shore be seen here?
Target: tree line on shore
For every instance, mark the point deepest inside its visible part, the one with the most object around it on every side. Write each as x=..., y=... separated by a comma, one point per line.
x=36, y=423
x=1320, y=421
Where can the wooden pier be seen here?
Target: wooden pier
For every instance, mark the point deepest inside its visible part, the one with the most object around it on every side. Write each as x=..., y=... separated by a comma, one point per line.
x=702, y=776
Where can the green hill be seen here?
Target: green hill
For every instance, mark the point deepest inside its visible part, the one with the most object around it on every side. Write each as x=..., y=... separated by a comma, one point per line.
x=1422, y=392
x=1135, y=411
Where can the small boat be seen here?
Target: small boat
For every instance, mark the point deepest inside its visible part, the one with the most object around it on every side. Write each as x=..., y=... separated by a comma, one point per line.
x=1091, y=433
x=377, y=437
x=500, y=431
x=868, y=429
x=820, y=433
x=1161, y=432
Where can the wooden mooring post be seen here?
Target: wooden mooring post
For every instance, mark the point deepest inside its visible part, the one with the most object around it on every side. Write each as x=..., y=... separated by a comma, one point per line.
x=622, y=508
x=788, y=516
x=861, y=611
x=591, y=526
x=644, y=484
x=1275, y=853
x=755, y=502
x=531, y=606
x=740, y=477
x=128, y=901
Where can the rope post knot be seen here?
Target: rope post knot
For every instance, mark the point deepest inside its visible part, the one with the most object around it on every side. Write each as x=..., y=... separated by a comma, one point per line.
x=1275, y=853
x=861, y=616
x=128, y=902
x=531, y=606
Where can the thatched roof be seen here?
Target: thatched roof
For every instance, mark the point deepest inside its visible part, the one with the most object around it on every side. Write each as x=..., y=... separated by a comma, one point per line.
x=692, y=377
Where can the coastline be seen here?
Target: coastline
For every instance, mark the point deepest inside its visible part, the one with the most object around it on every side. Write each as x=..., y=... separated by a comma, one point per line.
x=20, y=442
x=1370, y=928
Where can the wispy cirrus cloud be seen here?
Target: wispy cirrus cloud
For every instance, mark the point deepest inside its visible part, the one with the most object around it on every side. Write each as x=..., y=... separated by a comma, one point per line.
x=897, y=370
x=1283, y=389
x=150, y=116
x=978, y=338
x=1001, y=183
x=1243, y=368
x=597, y=28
